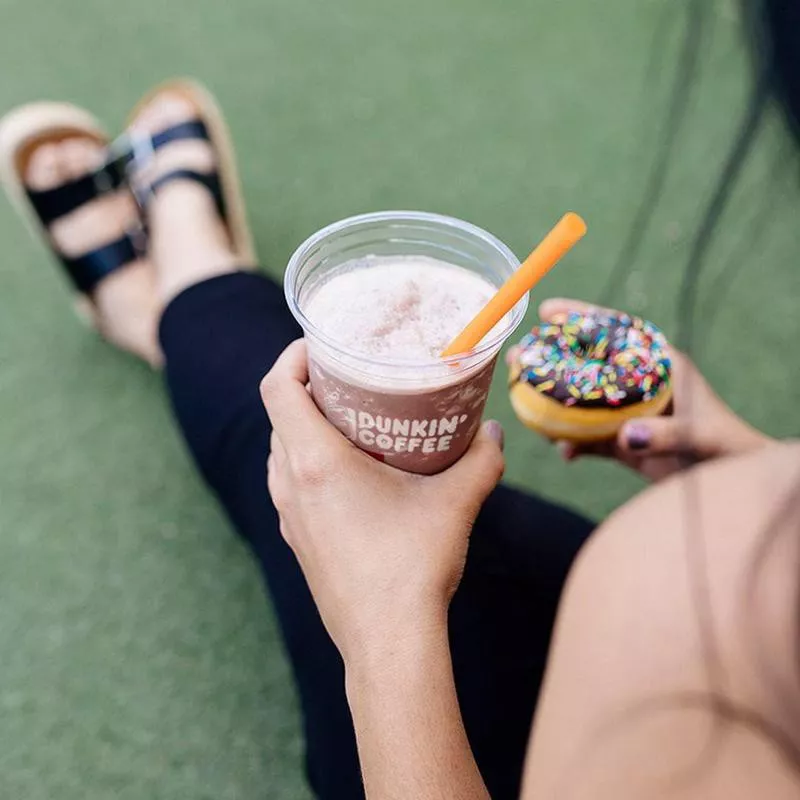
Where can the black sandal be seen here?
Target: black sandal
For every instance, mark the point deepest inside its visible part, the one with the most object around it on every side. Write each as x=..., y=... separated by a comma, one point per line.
x=134, y=151
x=22, y=132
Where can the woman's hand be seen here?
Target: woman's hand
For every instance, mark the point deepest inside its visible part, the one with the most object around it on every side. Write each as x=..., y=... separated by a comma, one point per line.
x=382, y=550
x=698, y=426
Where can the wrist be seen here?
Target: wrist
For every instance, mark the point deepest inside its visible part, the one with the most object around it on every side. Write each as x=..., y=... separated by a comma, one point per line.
x=378, y=645
x=394, y=670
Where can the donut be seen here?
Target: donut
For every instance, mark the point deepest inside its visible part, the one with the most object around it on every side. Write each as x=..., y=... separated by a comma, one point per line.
x=580, y=379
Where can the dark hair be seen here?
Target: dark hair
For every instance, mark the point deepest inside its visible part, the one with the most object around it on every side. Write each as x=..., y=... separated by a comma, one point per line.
x=778, y=28
x=773, y=30
x=775, y=41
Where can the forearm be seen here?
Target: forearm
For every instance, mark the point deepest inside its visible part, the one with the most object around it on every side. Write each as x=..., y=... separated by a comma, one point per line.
x=411, y=738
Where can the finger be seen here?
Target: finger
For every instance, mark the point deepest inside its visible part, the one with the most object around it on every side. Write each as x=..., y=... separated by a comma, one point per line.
x=295, y=417
x=688, y=383
x=681, y=367
x=276, y=449
x=287, y=532
x=272, y=479
x=556, y=308
x=654, y=469
x=479, y=470
x=512, y=354
x=277, y=485
x=658, y=436
x=276, y=464
x=572, y=450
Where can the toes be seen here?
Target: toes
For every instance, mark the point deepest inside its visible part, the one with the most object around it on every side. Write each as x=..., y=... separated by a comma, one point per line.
x=165, y=110
x=53, y=164
x=80, y=156
x=97, y=222
x=176, y=107
x=43, y=171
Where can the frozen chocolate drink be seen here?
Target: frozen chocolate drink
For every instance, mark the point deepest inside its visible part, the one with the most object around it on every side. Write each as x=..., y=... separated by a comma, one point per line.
x=380, y=297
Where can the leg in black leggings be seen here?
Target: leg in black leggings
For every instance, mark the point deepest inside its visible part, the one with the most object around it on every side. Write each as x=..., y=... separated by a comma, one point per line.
x=220, y=337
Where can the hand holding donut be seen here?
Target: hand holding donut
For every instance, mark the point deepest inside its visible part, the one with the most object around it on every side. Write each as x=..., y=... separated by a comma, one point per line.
x=695, y=425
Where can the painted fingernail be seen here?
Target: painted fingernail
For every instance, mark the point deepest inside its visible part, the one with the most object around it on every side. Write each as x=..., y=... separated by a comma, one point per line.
x=495, y=431
x=638, y=437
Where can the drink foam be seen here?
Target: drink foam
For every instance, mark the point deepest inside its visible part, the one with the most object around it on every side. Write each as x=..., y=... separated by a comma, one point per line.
x=405, y=307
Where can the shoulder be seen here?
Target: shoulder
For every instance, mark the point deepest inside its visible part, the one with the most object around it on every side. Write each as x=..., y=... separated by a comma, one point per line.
x=729, y=504
x=768, y=474
x=714, y=555
x=683, y=606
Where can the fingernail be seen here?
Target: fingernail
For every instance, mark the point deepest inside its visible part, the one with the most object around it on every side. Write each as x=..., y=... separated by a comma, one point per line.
x=638, y=437
x=495, y=431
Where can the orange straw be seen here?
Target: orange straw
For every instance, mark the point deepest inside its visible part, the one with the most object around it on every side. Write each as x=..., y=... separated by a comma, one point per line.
x=569, y=230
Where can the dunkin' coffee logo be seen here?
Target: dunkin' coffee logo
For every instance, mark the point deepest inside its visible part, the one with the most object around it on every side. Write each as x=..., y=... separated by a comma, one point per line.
x=403, y=435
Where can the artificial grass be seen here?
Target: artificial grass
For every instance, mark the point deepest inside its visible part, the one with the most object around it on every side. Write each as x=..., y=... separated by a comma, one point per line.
x=139, y=657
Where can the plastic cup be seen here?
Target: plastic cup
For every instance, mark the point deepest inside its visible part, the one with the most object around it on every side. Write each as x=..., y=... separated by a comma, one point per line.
x=416, y=416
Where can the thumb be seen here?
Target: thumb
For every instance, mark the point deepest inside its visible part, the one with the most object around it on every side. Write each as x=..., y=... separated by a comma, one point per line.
x=660, y=436
x=479, y=470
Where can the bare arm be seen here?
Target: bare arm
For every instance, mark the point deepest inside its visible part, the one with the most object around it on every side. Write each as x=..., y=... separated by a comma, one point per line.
x=383, y=552
x=408, y=724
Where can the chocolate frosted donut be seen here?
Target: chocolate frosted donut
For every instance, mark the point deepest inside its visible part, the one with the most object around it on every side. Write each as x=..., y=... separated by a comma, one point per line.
x=581, y=379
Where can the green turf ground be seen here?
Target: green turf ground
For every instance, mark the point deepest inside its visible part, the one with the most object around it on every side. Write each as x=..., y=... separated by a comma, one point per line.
x=137, y=657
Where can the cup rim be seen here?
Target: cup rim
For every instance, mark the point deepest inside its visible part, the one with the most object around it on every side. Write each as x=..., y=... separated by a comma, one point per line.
x=488, y=346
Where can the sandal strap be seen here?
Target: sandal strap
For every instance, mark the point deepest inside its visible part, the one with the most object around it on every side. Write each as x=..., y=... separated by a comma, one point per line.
x=128, y=151
x=52, y=204
x=88, y=270
x=193, y=129
x=134, y=151
x=210, y=180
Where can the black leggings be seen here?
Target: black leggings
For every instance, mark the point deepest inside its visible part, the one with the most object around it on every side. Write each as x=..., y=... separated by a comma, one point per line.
x=220, y=337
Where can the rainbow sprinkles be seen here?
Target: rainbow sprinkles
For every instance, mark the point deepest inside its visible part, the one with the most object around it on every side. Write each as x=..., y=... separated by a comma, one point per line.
x=596, y=359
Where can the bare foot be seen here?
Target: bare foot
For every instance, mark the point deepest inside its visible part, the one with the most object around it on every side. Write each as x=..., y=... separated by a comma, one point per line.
x=125, y=304
x=189, y=243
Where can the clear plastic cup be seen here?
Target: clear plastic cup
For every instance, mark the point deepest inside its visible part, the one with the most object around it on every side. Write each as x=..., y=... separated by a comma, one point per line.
x=417, y=416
